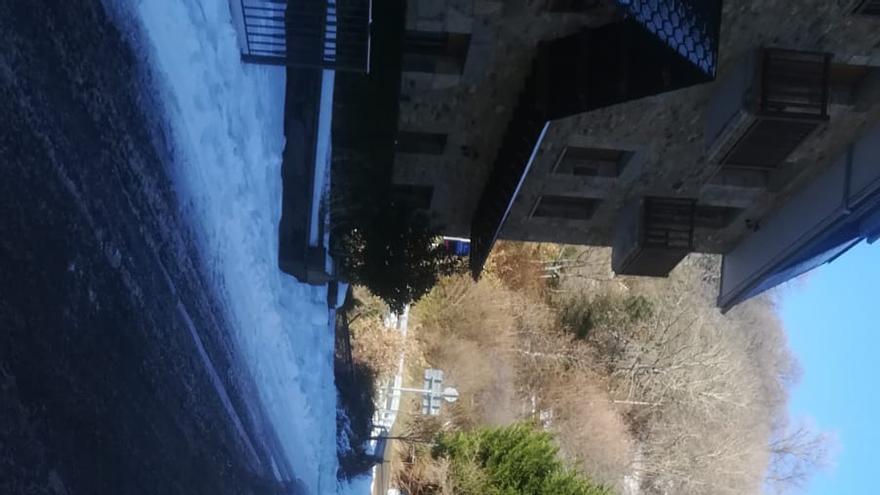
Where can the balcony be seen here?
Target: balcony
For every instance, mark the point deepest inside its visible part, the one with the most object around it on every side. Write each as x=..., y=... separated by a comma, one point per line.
x=653, y=235
x=833, y=211
x=772, y=103
x=323, y=34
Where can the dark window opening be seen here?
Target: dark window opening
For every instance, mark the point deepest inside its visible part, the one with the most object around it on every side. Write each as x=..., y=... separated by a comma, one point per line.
x=412, y=197
x=738, y=177
x=715, y=217
x=565, y=207
x=869, y=7
x=571, y=5
x=590, y=162
x=847, y=75
x=426, y=143
x=768, y=143
x=435, y=52
x=844, y=80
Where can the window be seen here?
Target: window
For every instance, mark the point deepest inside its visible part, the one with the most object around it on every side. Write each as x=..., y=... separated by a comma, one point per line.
x=741, y=177
x=847, y=75
x=715, y=217
x=565, y=207
x=412, y=196
x=570, y=5
x=590, y=162
x=426, y=143
x=869, y=7
x=435, y=52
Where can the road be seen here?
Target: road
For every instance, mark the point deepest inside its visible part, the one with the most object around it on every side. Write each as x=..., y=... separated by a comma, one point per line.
x=116, y=372
x=383, y=473
x=388, y=408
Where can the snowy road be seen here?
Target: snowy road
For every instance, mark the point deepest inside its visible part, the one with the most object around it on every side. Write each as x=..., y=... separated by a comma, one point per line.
x=226, y=119
x=117, y=373
x=150, y=343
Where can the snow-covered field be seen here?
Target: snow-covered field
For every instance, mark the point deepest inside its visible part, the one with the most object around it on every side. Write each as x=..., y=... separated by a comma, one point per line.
x=225, y=119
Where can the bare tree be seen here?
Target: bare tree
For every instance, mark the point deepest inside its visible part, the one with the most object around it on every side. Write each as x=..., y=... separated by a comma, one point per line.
x=796, y=452
x=655, y=385
x=701, y=390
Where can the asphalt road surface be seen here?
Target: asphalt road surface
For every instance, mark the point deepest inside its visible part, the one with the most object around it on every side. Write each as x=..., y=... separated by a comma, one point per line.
x=116, y=376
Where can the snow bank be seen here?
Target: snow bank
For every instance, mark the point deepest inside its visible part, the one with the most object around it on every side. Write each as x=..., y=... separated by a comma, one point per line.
x=359, y=486
x=321, y=187
x=225, y=119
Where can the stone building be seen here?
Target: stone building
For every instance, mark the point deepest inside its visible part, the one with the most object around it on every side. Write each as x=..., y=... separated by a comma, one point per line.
x=695, y=161
x=746, y=128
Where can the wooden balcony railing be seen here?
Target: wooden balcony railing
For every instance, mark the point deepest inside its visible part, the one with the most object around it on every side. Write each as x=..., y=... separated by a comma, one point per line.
x=669, y=223
x=653, y=236
x=795, y=84
x=793, y=93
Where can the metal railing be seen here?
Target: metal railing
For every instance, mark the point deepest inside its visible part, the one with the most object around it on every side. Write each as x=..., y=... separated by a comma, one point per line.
x=795, y=84
x=328, y=34
x=265, y=30
x=791, y=102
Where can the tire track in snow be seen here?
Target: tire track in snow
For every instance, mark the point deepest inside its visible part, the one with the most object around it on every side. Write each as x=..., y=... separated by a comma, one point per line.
x=226, y=121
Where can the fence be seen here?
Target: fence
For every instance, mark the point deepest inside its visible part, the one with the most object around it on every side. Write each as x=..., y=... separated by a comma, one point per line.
x=328, y=34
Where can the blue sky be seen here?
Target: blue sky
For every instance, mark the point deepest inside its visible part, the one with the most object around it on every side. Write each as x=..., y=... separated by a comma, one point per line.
x=832, y=325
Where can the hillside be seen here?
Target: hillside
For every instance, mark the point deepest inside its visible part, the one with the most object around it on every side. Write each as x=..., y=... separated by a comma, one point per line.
x=646, y=387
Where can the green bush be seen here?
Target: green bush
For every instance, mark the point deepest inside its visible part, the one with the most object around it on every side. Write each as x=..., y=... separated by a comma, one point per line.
x=581, y=315
x=395, y=254
x=379, y=240
x=512, y=460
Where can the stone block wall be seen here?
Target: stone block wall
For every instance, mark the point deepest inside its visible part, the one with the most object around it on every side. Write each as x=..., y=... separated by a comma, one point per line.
x=473, y=108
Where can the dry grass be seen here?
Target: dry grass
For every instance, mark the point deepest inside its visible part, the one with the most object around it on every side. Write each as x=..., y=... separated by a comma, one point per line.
x=372, y=344
x=467, y=329
x=520, y=266
x=591, y=431
x=481, y=335
x=668, y=389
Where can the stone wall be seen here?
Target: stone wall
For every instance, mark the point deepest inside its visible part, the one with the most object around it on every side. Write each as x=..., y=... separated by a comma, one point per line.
x=473, y=107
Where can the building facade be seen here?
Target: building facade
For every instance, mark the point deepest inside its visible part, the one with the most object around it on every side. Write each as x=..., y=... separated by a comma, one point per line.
x=659, y=128
x=583, y=122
